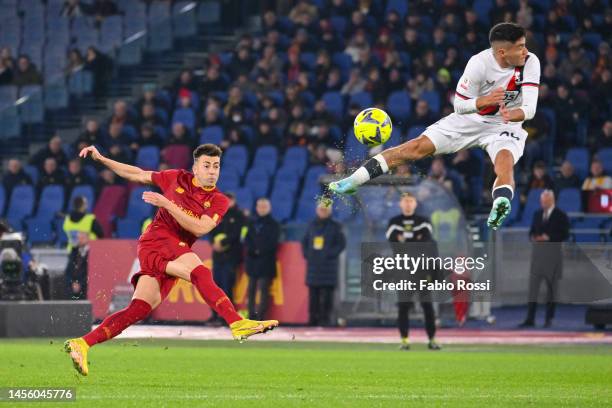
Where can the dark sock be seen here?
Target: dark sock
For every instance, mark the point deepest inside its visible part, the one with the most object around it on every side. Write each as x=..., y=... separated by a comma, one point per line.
x=503, y=191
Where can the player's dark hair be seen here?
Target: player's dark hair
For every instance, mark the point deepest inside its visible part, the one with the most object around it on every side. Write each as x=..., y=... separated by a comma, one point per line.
x=207, y=149
x=407, y=194
x=511, y=32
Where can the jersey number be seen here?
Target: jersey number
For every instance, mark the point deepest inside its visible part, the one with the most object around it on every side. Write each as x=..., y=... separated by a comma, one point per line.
x=509, y=134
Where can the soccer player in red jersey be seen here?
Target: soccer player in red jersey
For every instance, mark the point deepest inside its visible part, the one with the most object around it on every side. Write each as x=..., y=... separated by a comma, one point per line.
x=190, y=206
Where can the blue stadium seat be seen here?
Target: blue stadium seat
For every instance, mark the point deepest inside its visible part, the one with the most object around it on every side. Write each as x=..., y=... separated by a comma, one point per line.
x=354, y=152
x=343, y=61
x=569, y=200
x=258, y=180
x=282, y=205
x=111, y=33
x=137, y=209
x=31, y=108
x=579, y=157
x=184, y=19
x=184, y=116
x=39, y=231
x=229, y=180
x=212, y=134
x=160, y=36
x=21, y=204
x=10, y=123
x=128, y=228
x=588, y=229
x=414, y=132
x=399, y=106
x=148, y=157
x=51, y=202
x=339, y=24
x=605, y=156
x=334, y=103
x=8, y=95
x=236, y=156
x=345, y=209
x=32, y=171
x=244, y=198
x=309, y=60
x=56, y=96
x=2, y=199
x=433, y=100
x=266, y=157
x=288, y=184
x=362, y=99
x=531, y=206
x=305, y=210
x=313, y=174
x=296, y=157
x=80, y=83
x=401, y=6
x=84, y=190
x=395, y=139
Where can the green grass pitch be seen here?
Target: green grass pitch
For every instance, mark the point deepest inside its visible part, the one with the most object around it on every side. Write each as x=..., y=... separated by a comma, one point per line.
x=187, y=373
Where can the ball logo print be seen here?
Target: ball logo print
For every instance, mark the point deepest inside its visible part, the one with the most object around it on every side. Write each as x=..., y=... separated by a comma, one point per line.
x=372, y=127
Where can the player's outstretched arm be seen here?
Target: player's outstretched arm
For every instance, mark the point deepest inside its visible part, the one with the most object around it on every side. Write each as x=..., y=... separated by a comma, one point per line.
x=130, y=173
x=197, y=226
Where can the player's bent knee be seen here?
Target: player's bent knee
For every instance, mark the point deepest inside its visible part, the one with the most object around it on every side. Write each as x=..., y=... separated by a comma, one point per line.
x=147, y=289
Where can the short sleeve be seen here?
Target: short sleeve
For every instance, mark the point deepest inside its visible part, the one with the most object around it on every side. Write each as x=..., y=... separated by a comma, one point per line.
x=218, y=208
x=163, y=179
x=531, y=72
x=469, y=83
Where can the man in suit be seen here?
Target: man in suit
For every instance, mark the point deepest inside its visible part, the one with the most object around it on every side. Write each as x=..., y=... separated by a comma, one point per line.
x=261, y=243
x=549, y=228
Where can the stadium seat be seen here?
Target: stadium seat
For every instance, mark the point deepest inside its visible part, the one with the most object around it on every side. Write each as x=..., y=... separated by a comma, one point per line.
x=305, y=210
x=362, y=99
x=313, y=174
x=10, y=123
x=433, y=100
x=8, y=95
x=39, y=231
x=288, y=184
x=588, y=229
x=296, y=157
x=334, y=103
x=579, y=158
x=399, y=106
x=148, y=157
x=177, y=156
x=80, y=83
x=339, y=24
x=21, y=205
x=605, y=156
x=531, y=206
x=244, y=198
x=354, y=152
x=211, y=134
x=282, y=205
x=2, y=200
x=258, y=180
x=184, y=19
x=266, y=158
x=400, y=6
x=50, y=203
x=84, y=190
x=56, y=96
x=395, y=138
x=32, y=171
x=128, y=228
x=343, y=61
x=345, y=209
x=111, y=33
x=414, y=132
x=30, y=104
x=137, y=209
x=569, y=200
x=237, y=157
x=229, y=180
x=186, y=116
x=110, y=204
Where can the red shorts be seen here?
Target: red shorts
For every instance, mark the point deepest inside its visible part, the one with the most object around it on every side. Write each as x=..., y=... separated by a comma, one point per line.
x=154, y=256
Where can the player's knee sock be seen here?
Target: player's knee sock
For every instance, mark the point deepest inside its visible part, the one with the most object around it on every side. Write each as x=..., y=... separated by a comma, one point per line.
x=373, y=168
x=504, y=190
x=201, y=278
x=114, y=324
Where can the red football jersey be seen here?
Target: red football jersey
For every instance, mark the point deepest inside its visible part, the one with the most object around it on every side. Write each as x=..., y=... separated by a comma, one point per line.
x=179, y=186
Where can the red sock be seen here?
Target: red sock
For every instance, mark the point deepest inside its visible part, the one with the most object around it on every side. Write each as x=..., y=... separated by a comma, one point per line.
x=114, y=324
x=201, y=278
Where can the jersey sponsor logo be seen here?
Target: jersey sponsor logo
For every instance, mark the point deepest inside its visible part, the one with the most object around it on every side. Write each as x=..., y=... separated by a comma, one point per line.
x=180, y=190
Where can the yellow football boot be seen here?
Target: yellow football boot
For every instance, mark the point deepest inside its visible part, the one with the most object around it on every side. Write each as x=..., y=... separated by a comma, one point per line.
x=77, y=349
x=245, y=328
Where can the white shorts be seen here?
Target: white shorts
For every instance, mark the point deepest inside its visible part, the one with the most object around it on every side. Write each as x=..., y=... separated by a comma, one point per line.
x=457, y=132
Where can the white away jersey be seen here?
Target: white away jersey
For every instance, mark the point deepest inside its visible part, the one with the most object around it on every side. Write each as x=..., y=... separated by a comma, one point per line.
x=483, y=74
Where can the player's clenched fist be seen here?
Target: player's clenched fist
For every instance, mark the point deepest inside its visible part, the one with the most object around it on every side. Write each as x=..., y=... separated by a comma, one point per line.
x=496, y=97
x=95, y=154
x=155, y=199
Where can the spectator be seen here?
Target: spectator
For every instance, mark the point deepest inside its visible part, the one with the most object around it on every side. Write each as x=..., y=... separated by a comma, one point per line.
x=447, y=178
x=604, y=140
x=6, y=56
x=50, y=175
x=261, y=242
x=322, y=245
x=179, y=135
x=242, y=63
x=115, y=137
x=15, y=176
x=6, y=73
x=597, y=179
x=566, y=177
x=550, y=225
x=104, y=8
x=76, y=176
x=54, y=150
x=75, y=61
x=147, y=137
x=227, y=247
x=81, y=220
x=26, y=73
x=90, y=136
x=148, y=116
x=577, y=60
x=77, y=267
x=303, y=12
x=107, y=179
x=74, y=8
x=539, y=178
x=101, y=67
x=354, y=84
x=422, y=115
x=121, y=114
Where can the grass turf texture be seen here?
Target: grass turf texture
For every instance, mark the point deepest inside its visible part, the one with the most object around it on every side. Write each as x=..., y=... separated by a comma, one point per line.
x=188, y=373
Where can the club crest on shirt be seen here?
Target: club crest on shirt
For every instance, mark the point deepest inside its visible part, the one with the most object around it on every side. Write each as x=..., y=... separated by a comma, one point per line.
x=180, y=190
x=206, y=204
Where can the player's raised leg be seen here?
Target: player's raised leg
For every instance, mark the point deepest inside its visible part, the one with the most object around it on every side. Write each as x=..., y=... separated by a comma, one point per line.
x=190, y=268
x=146, y=298
x=503, y=188
x=381, y=163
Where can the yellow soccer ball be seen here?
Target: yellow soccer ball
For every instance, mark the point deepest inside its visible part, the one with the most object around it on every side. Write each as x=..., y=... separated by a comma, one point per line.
x=372, y=127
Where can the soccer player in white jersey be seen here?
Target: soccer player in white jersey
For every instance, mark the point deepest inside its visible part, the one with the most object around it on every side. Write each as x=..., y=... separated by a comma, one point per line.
x=497, y=92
